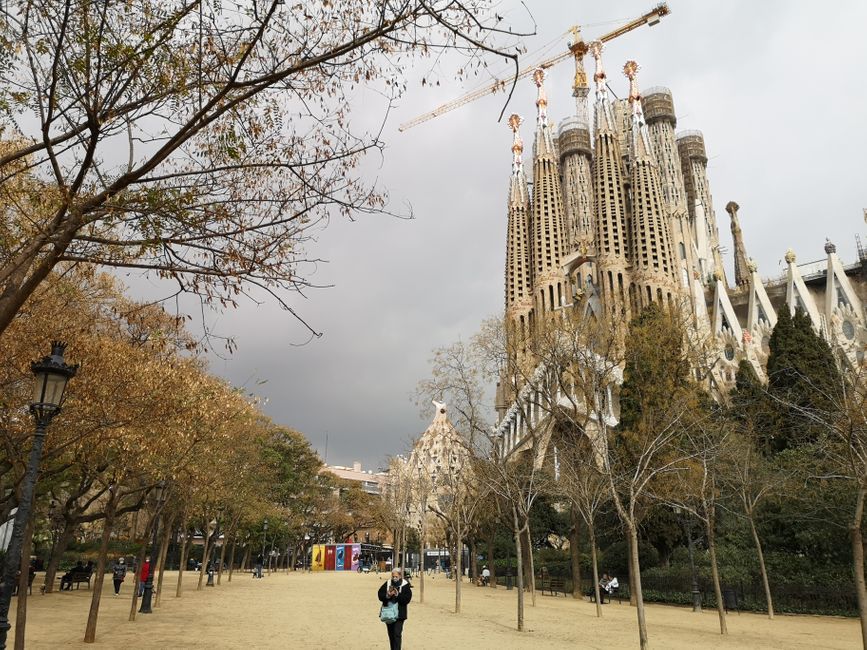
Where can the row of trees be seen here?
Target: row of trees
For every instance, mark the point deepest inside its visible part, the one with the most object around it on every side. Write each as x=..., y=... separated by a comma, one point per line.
x=142, y=413
x=784, y=457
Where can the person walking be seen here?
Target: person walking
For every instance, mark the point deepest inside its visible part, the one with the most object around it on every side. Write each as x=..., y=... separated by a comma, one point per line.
x=118, y=572
x=260, y=561
x=396, y=590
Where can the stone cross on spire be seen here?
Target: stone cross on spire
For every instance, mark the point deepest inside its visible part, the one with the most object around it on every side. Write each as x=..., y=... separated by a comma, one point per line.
x=542, y=99
x=517, y=144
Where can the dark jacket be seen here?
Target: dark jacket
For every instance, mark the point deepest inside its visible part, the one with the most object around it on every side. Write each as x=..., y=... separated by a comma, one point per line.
x=404, y=595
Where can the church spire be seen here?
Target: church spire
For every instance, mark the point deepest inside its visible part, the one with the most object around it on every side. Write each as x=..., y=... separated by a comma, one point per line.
x=742, y=272
x=609, y=191
x=519, y=303
x=550, y=290
x=650, y=241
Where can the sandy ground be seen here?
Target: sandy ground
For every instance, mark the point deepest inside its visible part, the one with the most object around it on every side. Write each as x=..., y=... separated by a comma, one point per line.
x=339, y=610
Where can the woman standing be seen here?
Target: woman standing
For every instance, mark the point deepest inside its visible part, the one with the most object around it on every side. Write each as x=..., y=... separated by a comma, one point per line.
x=397, y=590
x=118, y=574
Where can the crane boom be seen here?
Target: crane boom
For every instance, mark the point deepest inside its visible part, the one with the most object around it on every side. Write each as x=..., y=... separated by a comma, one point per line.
x=576, y=49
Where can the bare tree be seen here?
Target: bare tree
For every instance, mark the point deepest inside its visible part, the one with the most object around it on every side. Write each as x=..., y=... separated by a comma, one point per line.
x=201, y=140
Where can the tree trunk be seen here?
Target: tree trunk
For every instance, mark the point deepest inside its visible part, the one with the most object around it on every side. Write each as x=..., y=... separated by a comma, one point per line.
x=183, y=563
x=164, y=551
x=90, y=631
x=206, y=549
x=858, y=561
x=531, y=569
x=395, y=555
x=142, y=552
x=491, y=563
x=421, y=564
x=632, y=590
x=246, y=561
x=594, y=558
x=232, y=558
x=59, y=549
x=474, y=561
x=520, y=569
x=459, y=552
x=635, y=580
x=222, y=559
x=762, y=568
x=575, y=551
x=294, y=558
x=714, y=569
x=23, y=584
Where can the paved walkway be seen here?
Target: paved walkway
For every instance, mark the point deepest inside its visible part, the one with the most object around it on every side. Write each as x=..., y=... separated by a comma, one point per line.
x=339, y=610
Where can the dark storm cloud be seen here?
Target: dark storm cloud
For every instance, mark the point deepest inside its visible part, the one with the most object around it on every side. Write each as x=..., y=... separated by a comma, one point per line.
x=775, y=87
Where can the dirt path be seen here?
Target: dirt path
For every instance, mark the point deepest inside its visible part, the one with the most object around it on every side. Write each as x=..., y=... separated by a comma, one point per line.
x=339, y=610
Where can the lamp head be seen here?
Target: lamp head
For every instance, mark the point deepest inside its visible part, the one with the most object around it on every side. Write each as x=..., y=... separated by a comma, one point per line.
x=51, y=372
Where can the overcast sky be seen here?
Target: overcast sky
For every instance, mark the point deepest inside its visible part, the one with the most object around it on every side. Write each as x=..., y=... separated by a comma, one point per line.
x=776, y=87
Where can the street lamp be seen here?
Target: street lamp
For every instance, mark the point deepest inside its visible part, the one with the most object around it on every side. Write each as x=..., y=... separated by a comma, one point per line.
x=306, y=543
x=212, y=551
x=51, y=373
x=696, y=593
x=147, y=594
x=264, y=533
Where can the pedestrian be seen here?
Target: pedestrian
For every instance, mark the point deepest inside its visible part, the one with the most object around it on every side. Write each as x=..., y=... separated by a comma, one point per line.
x=118, y=574
x=143, y=575
x=486, y=576
x=395, y=591
x=259, y=562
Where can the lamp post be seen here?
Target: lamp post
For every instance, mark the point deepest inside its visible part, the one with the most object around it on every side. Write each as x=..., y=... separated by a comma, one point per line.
x=51, y=373
x=147, y=594
x=306, y=544
x=212, y=551
x=264, y=534
x=696, y=593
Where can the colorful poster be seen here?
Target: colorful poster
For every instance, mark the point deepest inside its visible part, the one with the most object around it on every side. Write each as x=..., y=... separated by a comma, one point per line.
x=338, y=559
x=317, y=557
x=329, y=557
x=356, y=557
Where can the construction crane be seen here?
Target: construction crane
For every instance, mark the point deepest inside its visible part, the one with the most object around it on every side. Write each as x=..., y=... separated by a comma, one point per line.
x=577, y=49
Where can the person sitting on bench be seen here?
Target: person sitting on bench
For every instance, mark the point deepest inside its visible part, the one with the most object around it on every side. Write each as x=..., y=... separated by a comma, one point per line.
x=609, y=587
x=66, y=579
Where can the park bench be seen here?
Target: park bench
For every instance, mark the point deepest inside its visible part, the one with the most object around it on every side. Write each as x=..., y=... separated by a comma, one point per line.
x=555, y=585
x=552, y=584
x=78, y=578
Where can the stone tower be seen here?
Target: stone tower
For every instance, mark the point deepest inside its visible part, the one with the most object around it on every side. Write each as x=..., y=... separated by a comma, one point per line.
x=658, y=105
x=575, y=157
x=519, y=280
x=650, y=251
x=550, y=290
x=693, y=159
x=608, y=197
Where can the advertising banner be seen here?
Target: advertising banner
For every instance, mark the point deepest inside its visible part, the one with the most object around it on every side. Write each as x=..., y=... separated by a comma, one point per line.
x=338, y=559
x=317, y=557
x=329, y=557
x=356, y=557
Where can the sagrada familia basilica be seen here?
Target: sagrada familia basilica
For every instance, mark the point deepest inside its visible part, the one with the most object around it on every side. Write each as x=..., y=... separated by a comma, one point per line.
x=621, y=215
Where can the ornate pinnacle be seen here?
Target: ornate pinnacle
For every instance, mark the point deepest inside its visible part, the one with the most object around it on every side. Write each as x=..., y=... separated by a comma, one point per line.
x=790, y=256
x=542, y=99
x=595, y=49
x=630, y=69
x=515, y=121
x=752, y=267
x=829, y=246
